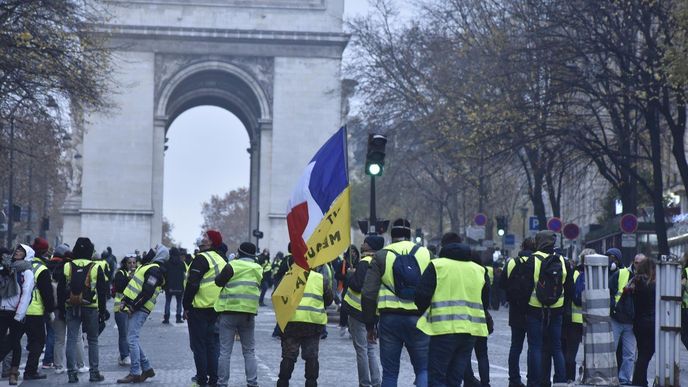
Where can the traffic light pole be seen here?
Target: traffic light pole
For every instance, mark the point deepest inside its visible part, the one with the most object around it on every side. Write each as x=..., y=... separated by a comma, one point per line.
x=373, y=221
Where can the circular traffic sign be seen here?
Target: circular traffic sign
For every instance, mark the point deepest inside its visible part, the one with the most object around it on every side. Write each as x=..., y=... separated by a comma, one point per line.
x=629, y=223
x=554, y=224
x=480, y=219
x=571, y=231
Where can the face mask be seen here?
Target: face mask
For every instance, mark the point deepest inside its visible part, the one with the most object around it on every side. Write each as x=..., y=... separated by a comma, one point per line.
x=613, y=266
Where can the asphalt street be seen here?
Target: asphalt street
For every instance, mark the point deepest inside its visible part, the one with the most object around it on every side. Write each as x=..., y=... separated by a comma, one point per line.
x=167, y=346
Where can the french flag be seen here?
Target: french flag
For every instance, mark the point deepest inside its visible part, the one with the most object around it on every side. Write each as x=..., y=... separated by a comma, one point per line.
x=323, y=181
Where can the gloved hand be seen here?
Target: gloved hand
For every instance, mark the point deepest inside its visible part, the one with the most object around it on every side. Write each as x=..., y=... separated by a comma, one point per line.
x=103, y=316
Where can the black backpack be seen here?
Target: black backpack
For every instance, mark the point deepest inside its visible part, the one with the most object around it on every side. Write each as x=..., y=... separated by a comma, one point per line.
x=80, y=292
x=406, y=272
x=550, y=284
x=520, y=283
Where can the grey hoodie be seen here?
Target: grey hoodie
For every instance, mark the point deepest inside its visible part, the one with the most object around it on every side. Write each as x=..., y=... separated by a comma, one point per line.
x=162, y=254
x=19, y=303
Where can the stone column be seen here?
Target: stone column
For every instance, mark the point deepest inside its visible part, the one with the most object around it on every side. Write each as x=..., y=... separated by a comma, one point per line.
x=157, y=181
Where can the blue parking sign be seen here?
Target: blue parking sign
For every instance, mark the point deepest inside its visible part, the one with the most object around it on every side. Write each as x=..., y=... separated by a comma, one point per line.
x=533, y=223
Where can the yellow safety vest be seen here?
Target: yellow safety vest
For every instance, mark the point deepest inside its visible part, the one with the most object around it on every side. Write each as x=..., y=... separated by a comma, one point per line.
x=104, y=267
x=624, y=276
x=118, y=296
x=576, y=311
x=135, y=286
x=311, y=309
x=81, y=262
x=353, y=298
x=36, y=307
x=386, y=298
x=456, y=305
x=684, y=304
x=534, y=302
x=242, y=292
x=208, y=292
x=490, y=274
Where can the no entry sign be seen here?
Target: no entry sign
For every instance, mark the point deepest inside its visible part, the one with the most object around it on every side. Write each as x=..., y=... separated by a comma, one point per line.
x=571, y=231
x=554, y=224
x=629, y=223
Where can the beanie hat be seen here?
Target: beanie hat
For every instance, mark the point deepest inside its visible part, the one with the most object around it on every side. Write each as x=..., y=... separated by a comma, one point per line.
x=83, y=248
x=215, y=238
x=375, y=242
x=401, y=228
x=40, y=245
x=247, y=249
x=61, y=250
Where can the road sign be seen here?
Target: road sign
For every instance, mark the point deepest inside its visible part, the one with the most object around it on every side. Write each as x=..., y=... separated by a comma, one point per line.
x=533, y=223
x=480, y=219
x=475, y=233
x=629, y=240
x=629, y=223
x=571, y=231
x=554, y=224
x=510, y=241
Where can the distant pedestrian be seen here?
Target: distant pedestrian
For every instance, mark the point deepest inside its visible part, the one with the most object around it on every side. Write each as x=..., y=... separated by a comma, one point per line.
x=453, y=285
x=174, y=285
x=643, y=291
x=367, y=353
x=385, y=290
x=266, y=283
x=237, y=305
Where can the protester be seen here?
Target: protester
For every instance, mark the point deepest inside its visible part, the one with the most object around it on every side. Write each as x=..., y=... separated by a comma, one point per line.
x=642, y=288
x=573, y=331
x=174, y=285
x=266, y=283
x=622, y=323
x=122, y=276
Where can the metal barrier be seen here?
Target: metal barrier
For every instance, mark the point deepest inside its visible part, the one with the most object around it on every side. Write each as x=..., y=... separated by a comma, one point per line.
x=599, y=351
x=668, y=321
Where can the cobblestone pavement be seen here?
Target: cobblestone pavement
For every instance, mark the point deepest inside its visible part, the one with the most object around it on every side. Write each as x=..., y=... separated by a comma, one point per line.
x=167, y=346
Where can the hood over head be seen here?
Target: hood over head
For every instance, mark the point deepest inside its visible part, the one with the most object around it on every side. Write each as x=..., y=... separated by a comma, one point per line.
x=162, y=254
x=30, y=254
x=456, y=251
x=545, y=240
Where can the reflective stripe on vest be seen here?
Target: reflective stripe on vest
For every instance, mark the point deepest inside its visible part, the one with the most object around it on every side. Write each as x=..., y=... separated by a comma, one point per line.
x=311, y=309
x=118, y=296
x=456, y=305
x=386, y=298
x=135, y=286
x=36, y=307
x=534, y=302
x=208, y=292
x=353, y=298
x=576, y=311
x=94, y=279
x=624, y=276
x=242, y=292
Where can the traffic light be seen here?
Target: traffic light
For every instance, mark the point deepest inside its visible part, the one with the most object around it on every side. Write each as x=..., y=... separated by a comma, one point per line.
x=375, y=158
x=501, y=224
x=419, y=235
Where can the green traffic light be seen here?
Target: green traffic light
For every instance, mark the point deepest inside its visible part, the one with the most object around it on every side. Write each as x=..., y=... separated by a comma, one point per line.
x=374, y=169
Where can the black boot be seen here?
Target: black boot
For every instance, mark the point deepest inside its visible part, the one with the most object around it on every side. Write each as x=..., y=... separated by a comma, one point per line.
x=73, y=377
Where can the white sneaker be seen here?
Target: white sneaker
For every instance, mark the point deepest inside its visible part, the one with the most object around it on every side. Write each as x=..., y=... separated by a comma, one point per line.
x=83, y=370
x=60, y=370
x=125, y=362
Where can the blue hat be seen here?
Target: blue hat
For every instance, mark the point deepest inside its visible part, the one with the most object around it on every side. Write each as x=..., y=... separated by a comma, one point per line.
x=615, y=252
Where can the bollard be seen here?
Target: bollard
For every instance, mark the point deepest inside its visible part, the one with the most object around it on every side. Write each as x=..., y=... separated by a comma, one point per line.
x=668, y=321
x=599, y=352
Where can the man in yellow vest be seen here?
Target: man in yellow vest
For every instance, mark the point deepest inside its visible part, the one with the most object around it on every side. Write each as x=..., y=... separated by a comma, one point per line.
x=139, y=298
x=237, y=305
x=200, y=295
x=398, y=314
x=83, y=291
x=453, y=294
x=622, y=325
x=573, y=329
x=40, y=308
x=367, y=356
x=546, y=310
x=305, y=327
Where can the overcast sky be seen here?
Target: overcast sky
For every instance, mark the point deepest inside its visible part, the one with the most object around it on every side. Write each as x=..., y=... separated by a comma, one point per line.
x=207, y=156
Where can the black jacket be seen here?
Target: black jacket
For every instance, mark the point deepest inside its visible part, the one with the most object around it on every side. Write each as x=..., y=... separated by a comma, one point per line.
x=176, y=270
x=121, y=280
x=355, y=283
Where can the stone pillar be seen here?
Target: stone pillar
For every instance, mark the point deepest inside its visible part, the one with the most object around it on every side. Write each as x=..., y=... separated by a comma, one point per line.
x=157, y=181
x=668, y=321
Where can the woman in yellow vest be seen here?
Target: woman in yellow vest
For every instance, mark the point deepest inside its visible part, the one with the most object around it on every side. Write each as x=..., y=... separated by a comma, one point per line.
x=304, y=329
x=42, y=304
x=367, y=355
x=453, y=294
x=237, y=305
x=122, y=275
x=138, y=301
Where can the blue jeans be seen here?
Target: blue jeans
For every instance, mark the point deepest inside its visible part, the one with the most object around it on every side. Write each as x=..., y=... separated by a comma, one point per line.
x=244, y=324
x=624, y=333
x=541, y=324
x=122, y=321
x=76, y=316
x=397, y=330
x=49, y=343
x=204, y=340
x=449, y=358
x=139, y=361
x=518, y=335
x=168, y=304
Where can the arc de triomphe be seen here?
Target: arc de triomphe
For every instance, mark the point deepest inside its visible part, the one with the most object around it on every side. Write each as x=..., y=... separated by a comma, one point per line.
x=275, y=64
